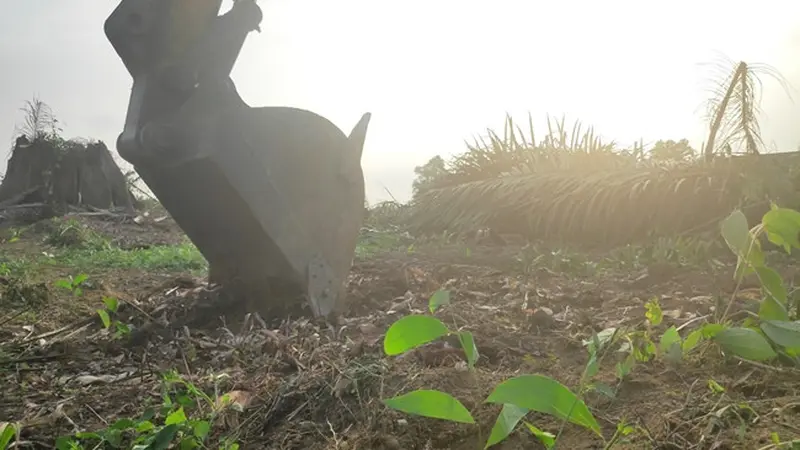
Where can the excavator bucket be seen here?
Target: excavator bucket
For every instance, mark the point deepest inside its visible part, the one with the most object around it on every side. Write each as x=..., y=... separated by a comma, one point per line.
x=269, y=194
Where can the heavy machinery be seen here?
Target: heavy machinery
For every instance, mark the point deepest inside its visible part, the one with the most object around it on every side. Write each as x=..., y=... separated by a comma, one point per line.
x=267, y=194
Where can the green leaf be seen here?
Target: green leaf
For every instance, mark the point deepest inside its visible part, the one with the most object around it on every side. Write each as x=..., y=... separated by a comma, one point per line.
x=438, y=299
x=113, y=437
x=782, y=332
x=737, y=235
x=164, y=437
x=412, y=331
x=592, y=367
x=654, y=314
x=623, y=368
x=111, y=303
x=547, y=439
x=782, y=226
x=200, y=428
x=123, y=424
x=668, y=339
x=545, y=395
x=506, y=421
x=710, y=330
x=188, y=443
x=176, y=417
x=772, y=283
x=430, y=403
x=470, y=350
x=692, y=340
x=63, y=283
x=77, y=281
x=145, y=426
x=7, y=433
x=771, y=309
x=104, y=317
x=745, y=342
x=65, y=443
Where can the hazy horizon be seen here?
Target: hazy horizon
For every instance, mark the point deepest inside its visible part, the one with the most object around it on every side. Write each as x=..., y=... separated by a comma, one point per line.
x=433, y=74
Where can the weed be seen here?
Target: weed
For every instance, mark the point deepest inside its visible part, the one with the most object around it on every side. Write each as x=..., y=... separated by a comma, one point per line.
x=173, y=423
x=69, y=233
x=518, y=395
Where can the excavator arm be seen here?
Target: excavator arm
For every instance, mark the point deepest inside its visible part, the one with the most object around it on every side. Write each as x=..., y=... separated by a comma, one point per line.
x=271, y=196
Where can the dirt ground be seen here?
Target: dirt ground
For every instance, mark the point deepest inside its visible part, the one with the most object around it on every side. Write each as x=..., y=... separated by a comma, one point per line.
x=305, y=385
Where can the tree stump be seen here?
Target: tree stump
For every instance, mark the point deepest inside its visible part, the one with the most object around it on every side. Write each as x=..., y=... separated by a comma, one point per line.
x=47, y=176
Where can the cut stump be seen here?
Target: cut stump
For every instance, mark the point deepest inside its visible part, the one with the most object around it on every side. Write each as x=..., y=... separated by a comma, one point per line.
x=45, y=178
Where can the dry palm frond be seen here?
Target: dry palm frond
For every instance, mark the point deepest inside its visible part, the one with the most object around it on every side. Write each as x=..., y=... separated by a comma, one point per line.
x=734, y=108
x=600, y=208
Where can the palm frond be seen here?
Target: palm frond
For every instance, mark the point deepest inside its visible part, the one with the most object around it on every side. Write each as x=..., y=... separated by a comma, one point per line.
x=734, y=108
x=609, y=207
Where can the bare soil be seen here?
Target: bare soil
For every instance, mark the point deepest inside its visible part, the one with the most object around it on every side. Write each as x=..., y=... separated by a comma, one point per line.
x=306, y=385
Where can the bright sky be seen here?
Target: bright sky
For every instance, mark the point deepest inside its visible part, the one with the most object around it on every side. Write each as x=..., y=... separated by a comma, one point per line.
x=433, y=73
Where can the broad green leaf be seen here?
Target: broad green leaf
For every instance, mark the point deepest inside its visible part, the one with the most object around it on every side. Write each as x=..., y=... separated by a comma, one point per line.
x=545, y=395
x=668, y=339
x=506, y=421
x=772, y=283
x=592, y=367
x=470, y=350
x=123, y=424
x=654, y=314
x=430, y=403
x=79, y=279
x=176, y=417
x=771, y=309
x=6, y=434
x=63, y=283
x=547, y=439
x=438, y=299
x=104, y=317
x=145, y=426
x=782, y=226
x=188, y=443
x=745, y=342
x=782, y=332
x=692, y=340
x=736, y=232
x=737, y=235
x=623, y=368
x=710, y=330
x=412, y=331
x=164, y=437
x=113, y=437
x=111, y=303
x=66, y=443
x=200, y=428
